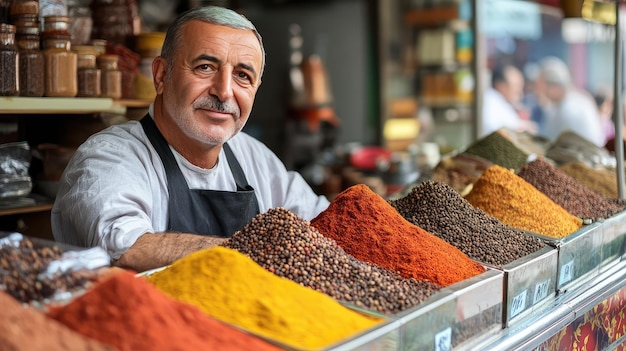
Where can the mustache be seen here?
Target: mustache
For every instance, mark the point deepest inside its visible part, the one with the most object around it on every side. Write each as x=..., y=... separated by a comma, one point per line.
x=213, y=103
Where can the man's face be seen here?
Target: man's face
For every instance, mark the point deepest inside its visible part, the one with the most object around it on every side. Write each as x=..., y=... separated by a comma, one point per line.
x=215, y=75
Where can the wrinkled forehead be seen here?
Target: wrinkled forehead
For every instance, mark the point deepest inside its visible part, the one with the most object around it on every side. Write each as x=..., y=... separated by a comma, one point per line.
x=202, y=38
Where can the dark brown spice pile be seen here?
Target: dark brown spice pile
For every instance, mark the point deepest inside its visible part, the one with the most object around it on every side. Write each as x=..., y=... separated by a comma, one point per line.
x=290, y=247
x=20, y=269
x=441, y=210
x=600, y=180
x=566, y=191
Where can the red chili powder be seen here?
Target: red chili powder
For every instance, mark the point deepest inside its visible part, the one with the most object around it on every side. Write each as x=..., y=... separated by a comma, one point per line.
x=367, y=227
x=131, y=314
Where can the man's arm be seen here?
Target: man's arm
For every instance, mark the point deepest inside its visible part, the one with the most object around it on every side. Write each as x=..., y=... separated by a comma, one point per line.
x=157, y=250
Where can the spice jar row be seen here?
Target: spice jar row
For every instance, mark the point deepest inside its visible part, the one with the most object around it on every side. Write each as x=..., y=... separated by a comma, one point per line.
x=55, y=70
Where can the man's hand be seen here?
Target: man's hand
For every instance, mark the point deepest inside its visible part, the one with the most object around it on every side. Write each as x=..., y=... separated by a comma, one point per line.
x=154, y=250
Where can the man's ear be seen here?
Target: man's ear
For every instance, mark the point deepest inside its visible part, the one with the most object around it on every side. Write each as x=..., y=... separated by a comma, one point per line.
x=159, y=70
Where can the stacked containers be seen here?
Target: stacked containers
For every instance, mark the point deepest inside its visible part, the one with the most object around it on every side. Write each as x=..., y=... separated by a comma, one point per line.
x=31, y=62
x=9, y=77
x=60, y=61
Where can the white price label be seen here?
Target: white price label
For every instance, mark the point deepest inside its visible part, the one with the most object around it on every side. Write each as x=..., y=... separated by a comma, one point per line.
x=518, y=304
x=443, y=340
x=541, y=291
x=567, y=272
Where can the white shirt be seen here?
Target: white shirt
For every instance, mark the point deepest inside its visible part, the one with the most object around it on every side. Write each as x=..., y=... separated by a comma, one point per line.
x=577, y=113
x=115, y=187
x=498, y=113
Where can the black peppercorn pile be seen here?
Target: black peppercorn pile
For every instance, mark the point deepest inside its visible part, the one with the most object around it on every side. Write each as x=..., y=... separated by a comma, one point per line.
x=438, y=208
x=290, y=247
x=566, y=191
x=499, y=150
x=20, y=269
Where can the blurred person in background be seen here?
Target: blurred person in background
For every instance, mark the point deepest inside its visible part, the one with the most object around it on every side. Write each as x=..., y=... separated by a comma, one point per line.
x=566, y=107
x=502, y=105
x=604, y=100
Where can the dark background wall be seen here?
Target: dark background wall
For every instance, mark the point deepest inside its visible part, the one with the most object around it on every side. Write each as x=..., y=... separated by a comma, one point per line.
x=338, y=31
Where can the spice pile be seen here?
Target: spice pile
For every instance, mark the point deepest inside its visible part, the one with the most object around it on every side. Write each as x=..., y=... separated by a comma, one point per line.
x=230, y=286
x=27, y=329
x=439, y=209
x=131, y=314
x=21, y=268
x=460, y=170
x=504, y=195
x=370, y=229
x=498, y=149
x=290, y=247
x=566, y=191
x=599, y=180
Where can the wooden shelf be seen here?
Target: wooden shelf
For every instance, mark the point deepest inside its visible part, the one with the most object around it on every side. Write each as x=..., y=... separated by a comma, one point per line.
x=134, y=103
x=41, y=207
x=434, y=16
x=61, y=105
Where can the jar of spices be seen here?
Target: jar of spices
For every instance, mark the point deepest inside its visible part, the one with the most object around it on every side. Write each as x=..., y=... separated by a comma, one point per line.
x=9, y=56
x=24, y=7
x=53, y=25
x=88, y=74
x=31, y=62
x=60, y=66
x=111, y=86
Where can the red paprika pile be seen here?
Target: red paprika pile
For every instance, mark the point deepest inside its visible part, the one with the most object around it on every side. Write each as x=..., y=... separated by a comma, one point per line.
x=131, y=314
x=26, y=329
x=367, y=227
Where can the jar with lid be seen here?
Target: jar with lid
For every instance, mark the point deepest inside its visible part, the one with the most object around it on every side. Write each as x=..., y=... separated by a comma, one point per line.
x=53, y=25
x=24, y=7
x=9, y=56
x=60, y=66
x=88, y=74
x=31, y=62
x=111, y=86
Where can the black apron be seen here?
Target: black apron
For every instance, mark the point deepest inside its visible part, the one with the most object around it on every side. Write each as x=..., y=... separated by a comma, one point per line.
x=198, y=211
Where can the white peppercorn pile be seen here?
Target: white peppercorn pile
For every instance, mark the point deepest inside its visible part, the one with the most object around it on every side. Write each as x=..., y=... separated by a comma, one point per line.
x=287, y=245
x=566, y=191
x=20, y=269
x=438, y=208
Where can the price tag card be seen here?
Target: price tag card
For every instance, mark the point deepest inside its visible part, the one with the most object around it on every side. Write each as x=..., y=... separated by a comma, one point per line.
x=443, y=340
x=518, y=304
x=541, y=291
x=567, y=272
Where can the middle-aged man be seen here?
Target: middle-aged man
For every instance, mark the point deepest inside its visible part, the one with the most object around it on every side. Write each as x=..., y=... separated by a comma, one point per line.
x=502, y=103
x=568, y=108
x=185, y=177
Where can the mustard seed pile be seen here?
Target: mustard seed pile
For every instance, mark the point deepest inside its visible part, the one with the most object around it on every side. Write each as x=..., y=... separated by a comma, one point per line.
x=499, y=150
x=503, y=194
x=566, y=191
x=440, y=209
x=287, y=245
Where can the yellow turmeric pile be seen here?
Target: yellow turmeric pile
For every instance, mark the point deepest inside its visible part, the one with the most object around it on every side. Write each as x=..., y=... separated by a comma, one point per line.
x=231, y=287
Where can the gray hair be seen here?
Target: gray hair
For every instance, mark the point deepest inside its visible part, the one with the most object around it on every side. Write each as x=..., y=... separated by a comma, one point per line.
x=209, y=14
x=555, y=71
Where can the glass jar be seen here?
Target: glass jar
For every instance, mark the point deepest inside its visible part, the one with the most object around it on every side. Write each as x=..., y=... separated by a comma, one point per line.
x=25, y=20
x=9, y=65
x=31, y=62
x=60, y=66
x=88, y=74
x=111, y=76
x=24, y=7
x=56, y=25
